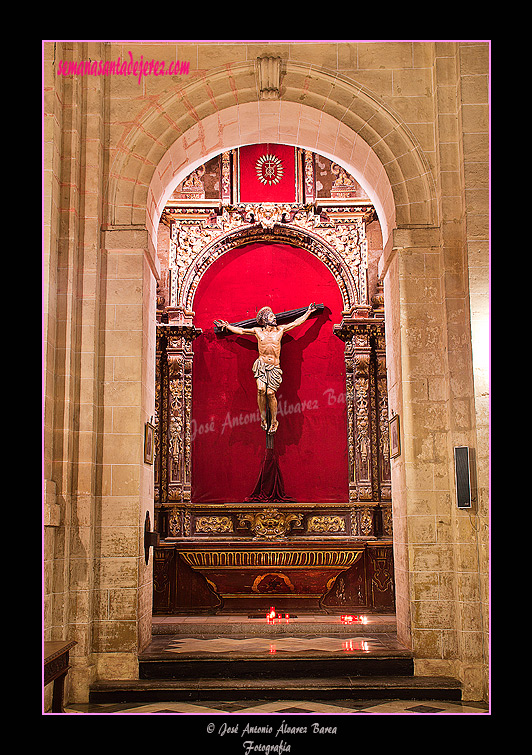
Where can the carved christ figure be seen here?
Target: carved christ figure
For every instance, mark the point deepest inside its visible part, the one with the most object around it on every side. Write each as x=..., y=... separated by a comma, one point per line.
x=267, y=368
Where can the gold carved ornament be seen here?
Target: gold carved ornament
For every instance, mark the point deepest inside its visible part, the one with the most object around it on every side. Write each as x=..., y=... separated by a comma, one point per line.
x=214, y=524
x=269, y=169
x=326, y=524
x=270, y=524
x=286, y=559
x=272, y=582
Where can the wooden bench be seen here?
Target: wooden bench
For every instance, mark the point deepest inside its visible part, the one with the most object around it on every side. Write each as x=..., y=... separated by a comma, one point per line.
x=56, y=667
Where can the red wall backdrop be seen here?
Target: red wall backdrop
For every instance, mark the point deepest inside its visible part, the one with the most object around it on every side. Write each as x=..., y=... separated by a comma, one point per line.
x=228, y=444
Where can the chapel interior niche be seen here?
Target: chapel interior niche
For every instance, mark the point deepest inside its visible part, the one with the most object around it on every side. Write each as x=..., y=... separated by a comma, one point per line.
x=225, y=251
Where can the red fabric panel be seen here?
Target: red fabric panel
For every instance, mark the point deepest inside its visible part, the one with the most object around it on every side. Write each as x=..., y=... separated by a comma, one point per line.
x=281, y=189
x=270, y=486
x=228, y=444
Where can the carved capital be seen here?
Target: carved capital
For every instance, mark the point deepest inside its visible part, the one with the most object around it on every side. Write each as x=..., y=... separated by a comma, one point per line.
x=174, y=330
x=377, y=300
x=355, y=327
x=361, y=361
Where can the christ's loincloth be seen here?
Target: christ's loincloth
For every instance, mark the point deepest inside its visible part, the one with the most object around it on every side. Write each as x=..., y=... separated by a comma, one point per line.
x=270, y=374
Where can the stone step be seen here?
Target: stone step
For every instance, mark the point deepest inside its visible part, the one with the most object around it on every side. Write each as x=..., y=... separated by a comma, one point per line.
x=315, y=659
x=257, y=627
x=240, y=657
x=276, y=667
x=308, y=689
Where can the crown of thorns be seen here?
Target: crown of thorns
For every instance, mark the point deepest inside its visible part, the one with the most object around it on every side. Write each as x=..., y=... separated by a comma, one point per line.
x=261, y=314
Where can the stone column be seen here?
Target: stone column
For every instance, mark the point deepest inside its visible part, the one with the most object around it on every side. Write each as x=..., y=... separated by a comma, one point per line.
x=474, y=110
x=122, y=626
x=74, y=306
x=435, y=544
x=415, y=331
x=382, y=433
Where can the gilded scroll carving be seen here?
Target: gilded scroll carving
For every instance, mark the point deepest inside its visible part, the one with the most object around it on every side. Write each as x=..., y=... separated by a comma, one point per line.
x=187, y=412
x=382, y=569
x=363, y=521
x=270, y=524
x=384, y=442
x=226, y=178
x=387, y=525
x=326, y=523
x=175, y=433
x=176, y=422
x=271, y=583
x=175, y=524
x=213, y=524
x=308, y=172
x=342, y=235
x=366, y=521
x=157, y=422
x=367, y=406
x=348, y=353
x=361, y=384
x=263, y=232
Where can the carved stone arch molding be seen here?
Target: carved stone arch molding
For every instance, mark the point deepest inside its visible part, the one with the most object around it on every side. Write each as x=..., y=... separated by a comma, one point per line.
x=223, y=110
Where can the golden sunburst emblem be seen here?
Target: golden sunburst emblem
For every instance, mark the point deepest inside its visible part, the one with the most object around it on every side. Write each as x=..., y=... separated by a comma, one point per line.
x=269, y=169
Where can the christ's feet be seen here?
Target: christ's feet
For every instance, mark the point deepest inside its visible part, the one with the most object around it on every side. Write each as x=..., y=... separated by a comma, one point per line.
x=273, y=427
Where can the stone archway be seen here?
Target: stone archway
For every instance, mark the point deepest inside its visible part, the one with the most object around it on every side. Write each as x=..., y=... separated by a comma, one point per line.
x=336, y=118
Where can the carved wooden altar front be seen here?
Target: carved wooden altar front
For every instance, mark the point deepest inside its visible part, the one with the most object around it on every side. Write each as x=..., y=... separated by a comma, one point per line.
x=297, y=556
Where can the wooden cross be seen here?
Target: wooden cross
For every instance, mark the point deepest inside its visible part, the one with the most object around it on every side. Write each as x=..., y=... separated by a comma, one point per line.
x=292, y=314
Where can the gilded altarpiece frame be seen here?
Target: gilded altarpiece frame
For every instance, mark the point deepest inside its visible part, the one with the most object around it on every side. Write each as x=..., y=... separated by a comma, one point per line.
x=335, y=232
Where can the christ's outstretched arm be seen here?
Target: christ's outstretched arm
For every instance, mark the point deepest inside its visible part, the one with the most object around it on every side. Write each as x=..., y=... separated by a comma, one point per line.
x=300, y=320
x=234, y=328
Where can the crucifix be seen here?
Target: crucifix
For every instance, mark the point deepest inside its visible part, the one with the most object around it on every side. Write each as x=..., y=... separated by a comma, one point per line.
x=269, y=329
